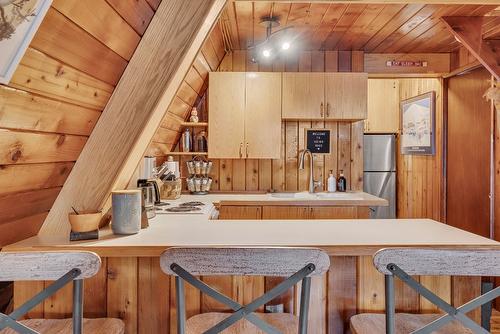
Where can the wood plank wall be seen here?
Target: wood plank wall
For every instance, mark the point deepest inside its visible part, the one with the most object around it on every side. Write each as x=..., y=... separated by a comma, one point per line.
x=420, y=178
x=282, y=174
x=189, y=94
x=55, y=98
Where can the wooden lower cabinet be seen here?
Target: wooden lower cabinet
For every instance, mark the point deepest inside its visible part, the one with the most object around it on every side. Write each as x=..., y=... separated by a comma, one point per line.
x=229, y=212
x=137, y=291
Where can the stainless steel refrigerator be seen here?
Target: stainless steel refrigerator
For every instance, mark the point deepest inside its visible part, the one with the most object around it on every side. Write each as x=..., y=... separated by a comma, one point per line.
x=380, y=172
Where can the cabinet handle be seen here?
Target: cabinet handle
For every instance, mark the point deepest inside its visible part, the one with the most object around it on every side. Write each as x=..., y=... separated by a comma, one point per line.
x=328, y=109
x=241, y=150
x=321, y=109
x=247, y=150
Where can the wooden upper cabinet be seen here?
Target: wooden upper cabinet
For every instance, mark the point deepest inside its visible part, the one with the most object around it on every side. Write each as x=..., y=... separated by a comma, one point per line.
x=303, y=96
x=383, y=106
x=346, y=96
x=263, y=116
x=226, y=121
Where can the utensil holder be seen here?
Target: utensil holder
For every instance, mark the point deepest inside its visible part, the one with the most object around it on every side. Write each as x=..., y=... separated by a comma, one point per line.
x=171, y=189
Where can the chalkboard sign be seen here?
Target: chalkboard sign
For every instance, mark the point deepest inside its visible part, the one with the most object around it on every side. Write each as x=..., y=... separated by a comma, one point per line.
x=318, y=140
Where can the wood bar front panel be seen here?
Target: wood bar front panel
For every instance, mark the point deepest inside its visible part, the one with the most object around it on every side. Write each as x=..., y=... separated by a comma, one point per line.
x=137, y=291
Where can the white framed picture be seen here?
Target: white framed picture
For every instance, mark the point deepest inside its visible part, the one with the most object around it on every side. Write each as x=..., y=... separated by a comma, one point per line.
x=418, y=118
x=19, y=21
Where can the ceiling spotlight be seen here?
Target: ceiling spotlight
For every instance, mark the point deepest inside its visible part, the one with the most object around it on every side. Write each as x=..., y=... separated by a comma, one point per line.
x=285, y=46
x=266, y=53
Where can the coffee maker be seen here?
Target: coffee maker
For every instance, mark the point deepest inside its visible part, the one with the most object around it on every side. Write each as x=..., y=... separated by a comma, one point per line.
x=149, y=187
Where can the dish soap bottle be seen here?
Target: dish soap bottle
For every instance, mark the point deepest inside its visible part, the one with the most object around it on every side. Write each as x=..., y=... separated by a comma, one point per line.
x=342, y=182
x=332, y=183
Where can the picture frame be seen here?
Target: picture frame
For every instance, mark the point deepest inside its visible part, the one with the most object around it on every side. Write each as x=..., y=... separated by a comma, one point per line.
x=418, y=124
x=19, y=21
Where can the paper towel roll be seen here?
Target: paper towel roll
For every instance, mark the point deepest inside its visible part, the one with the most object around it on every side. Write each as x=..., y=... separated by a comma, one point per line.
x=149, y=165
x=173, y=166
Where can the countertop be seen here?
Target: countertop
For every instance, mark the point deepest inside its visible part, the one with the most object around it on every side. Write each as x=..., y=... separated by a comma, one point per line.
x=297, y=198
x=337, y=237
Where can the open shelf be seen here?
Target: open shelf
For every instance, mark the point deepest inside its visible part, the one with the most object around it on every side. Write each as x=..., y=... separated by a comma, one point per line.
x=195, y=125
x=187, y=153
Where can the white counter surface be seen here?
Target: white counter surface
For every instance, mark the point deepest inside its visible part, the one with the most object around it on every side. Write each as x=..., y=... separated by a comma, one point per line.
x=339, y=237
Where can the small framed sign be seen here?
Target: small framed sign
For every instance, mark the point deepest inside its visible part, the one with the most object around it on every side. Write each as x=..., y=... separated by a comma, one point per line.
x=318, y=141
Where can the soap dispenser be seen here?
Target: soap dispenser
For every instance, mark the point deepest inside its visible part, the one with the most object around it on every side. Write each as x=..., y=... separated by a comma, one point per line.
x=332, y=183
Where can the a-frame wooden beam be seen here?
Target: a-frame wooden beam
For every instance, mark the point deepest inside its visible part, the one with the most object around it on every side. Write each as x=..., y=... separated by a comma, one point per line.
x=468, y=30
x=135, y=110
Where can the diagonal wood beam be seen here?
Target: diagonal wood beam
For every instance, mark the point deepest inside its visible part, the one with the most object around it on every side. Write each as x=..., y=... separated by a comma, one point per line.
x=136, y=107
x=468, y=30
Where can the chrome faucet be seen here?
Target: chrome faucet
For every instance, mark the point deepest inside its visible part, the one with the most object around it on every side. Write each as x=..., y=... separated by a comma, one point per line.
x=312, y=184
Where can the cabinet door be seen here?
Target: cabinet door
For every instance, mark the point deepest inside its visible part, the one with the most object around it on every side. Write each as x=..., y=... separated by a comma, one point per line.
x=334, y=212
x=303, y=95
x=230, y=212
x=226, y=121
x=383, y=106
x=346, y=96
x=285, y=212
x=263, y=116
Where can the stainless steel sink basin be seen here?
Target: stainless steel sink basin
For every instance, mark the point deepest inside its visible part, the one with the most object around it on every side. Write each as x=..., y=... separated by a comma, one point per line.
x=298, y=195
x=339, y=195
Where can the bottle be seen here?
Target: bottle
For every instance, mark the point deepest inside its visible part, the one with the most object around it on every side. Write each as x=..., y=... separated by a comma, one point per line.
x=332, y=183
x=186, y=141
x=342, y=182
x=201, y=142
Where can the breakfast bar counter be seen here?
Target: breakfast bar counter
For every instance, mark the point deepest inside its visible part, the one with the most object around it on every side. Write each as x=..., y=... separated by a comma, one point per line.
x=131, y=285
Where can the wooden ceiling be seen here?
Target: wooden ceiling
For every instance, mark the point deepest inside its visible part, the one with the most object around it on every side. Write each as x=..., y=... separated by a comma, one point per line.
x=376, y=28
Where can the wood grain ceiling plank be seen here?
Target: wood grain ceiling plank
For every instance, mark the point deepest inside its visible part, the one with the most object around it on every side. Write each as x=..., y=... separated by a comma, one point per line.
x=229, y=14
x=422, y=28
x=91, y=14
x=244, y=19
x=468, y=30
x=345, y=22
x=445, y=42
x=491, y=28
x=260, y=11
x=218, y=41
x=298, y=18
x=328, y=23
x=317, y=12
x=399, y=19
x=61, y=39
x=154, y=3
x=281, y=10
x=407, y=27
x=136, y=12
x=438, y=37
x=201, y=65
x=359, y=30
x=26, y=147
x=210, y=55
x=20, y=110
x=387, y=13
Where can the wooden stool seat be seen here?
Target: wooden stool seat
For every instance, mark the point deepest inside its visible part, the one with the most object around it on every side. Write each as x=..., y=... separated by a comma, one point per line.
x=286, y=323
x=65, y=326
x=370, y=323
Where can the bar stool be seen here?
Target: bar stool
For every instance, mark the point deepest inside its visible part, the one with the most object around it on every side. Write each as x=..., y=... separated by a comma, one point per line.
x=298, y=264
x=63, y=268
x=404, y=262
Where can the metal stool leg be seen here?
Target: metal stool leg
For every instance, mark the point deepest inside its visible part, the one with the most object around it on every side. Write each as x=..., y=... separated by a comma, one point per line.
x=77, y=306
x=390, y=310
x=304, y=304
x=181, y=307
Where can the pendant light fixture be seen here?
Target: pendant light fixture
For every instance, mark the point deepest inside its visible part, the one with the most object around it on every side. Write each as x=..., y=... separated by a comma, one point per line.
x=275, y=44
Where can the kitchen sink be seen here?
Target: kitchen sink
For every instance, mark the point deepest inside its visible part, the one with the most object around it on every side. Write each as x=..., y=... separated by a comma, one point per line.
x=306, y=195
x=298, y=195
x=339, y=195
